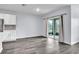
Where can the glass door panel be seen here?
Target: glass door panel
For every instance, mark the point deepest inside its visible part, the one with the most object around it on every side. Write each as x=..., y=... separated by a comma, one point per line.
x=57, y=24
x=50, y=28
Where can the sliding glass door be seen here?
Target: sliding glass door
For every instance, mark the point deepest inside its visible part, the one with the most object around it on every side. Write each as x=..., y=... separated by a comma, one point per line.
x=53, y=27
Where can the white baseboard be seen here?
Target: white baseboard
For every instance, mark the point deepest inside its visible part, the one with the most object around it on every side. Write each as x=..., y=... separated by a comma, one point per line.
x=67, y=43
x=72, y=43
x=27, y=37
x=8, y=40
x=20, y=37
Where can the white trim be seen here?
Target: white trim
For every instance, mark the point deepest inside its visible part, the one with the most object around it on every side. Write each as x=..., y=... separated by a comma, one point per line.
x=9, y=40
x=72, y=43
x=67, y=43
x=29, y=37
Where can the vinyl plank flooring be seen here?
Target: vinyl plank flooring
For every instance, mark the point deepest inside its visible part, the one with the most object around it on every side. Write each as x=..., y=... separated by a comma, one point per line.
x=39, y=46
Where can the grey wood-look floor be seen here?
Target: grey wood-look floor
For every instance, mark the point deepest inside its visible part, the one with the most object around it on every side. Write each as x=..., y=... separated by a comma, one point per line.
x=39, y=46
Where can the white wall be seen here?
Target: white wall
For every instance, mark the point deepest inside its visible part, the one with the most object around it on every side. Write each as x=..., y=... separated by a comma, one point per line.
x=28, y=26
x=74, y=24
x=67, y=22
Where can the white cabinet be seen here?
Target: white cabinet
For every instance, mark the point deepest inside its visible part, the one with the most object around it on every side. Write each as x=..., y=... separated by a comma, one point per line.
x=9, y=19
x=1, y=48
x=1, y=36
x=9, y=35
x=1, y=39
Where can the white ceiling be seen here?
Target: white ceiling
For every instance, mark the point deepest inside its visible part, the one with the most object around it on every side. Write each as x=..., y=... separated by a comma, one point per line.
x=31, y=8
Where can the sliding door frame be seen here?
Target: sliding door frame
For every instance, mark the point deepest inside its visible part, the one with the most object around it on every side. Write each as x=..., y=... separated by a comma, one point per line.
x=62, y=26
